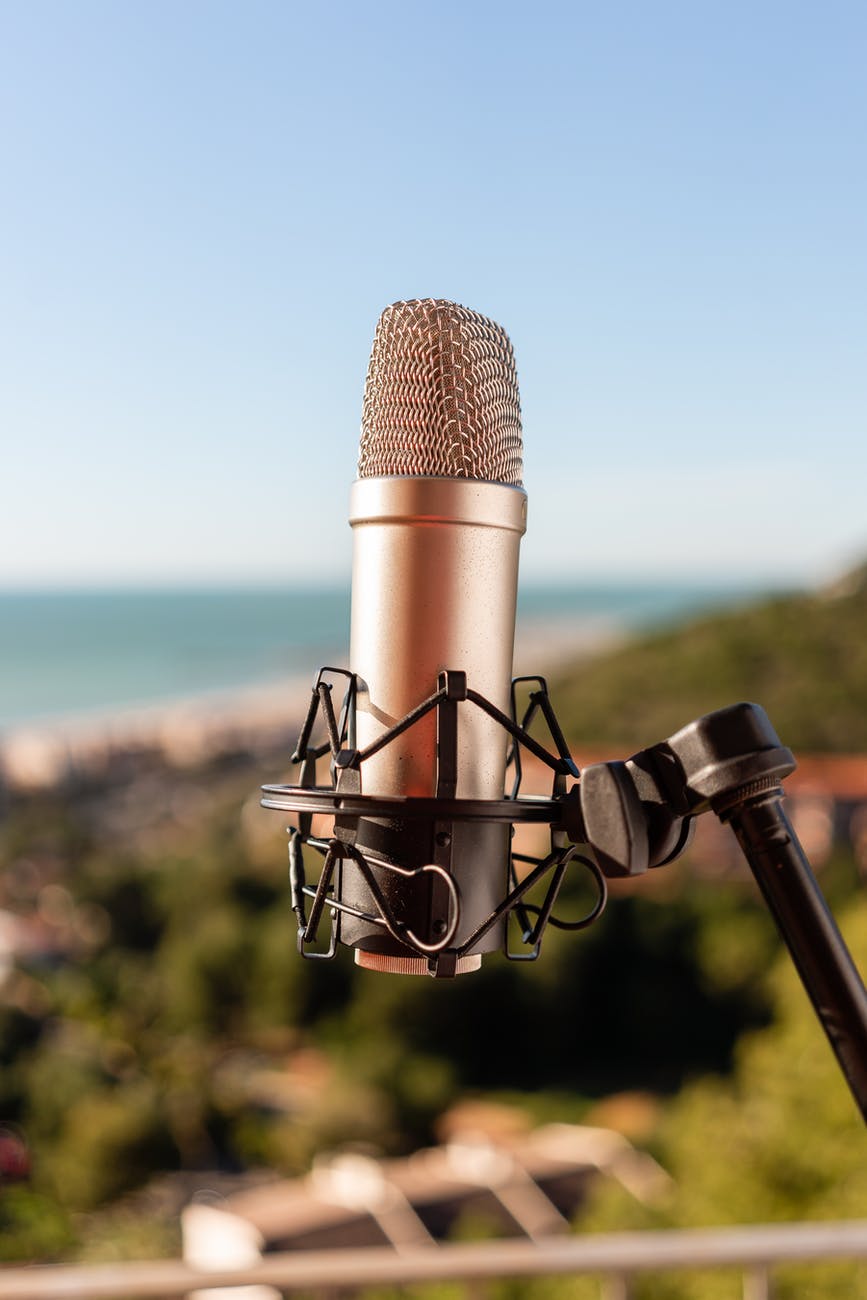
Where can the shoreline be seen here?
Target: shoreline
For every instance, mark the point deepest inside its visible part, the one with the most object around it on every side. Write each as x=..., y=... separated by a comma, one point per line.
x=187, y=731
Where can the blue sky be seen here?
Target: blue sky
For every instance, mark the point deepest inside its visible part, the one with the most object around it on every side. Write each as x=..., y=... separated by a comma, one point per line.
x=205, y=206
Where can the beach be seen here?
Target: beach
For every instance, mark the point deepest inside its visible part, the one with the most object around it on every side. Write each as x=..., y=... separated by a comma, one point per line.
x=185, y=674
x=262, y=717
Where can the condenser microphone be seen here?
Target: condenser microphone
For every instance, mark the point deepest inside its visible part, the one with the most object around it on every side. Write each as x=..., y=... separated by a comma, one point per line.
x=437, y=513
x=418, y=873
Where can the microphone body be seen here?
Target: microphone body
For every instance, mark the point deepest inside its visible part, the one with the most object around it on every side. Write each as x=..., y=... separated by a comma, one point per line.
x=434, y=588
x=437, y=514
x=417, y=872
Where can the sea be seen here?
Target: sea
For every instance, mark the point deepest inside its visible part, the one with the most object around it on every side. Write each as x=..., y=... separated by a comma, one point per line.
x=77, y=653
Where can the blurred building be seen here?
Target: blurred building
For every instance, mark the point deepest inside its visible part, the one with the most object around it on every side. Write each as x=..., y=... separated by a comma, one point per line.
x=521, y=1185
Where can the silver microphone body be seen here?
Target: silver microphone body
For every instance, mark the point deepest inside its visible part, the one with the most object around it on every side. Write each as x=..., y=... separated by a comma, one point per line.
x=434, y=588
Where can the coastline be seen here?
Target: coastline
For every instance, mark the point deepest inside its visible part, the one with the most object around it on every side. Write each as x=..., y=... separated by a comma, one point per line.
x=257, y=717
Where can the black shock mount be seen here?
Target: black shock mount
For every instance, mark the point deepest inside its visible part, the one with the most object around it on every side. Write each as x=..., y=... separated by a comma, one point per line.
x=345, y=801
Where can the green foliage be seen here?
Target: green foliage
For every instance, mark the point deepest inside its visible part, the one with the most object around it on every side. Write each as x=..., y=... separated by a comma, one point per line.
x=780, y=1140
x=33, y=1227
x=803, y=658
x=125, y=1141
x=169, y=1041
x=123, y=1231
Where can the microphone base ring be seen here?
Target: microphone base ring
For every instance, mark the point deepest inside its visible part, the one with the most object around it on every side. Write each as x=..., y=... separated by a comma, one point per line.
x=324, y=799
x=411, y=965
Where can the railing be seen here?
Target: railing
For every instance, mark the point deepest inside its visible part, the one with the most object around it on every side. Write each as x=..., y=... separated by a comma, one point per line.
x=615, y=1259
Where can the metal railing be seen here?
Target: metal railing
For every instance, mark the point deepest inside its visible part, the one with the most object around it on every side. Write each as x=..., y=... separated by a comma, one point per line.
x=614, y=1258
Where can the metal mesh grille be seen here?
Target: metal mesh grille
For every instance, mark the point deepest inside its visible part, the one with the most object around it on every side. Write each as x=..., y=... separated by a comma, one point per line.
x=441, y=397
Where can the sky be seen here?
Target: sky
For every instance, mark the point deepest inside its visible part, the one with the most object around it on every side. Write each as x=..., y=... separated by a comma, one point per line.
x=205, y=207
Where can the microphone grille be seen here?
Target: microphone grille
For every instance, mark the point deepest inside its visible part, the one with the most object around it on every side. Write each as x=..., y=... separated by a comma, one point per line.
x=441, y=397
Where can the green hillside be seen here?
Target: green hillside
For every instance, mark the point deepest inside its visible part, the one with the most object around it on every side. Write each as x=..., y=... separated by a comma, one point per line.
x=803, y=657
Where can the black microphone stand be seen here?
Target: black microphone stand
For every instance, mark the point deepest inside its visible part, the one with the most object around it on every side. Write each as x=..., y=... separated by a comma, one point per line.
x=632, y=815
x=731, y=762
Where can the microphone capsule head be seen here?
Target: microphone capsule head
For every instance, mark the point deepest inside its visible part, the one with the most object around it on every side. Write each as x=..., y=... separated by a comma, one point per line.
x=441, y=398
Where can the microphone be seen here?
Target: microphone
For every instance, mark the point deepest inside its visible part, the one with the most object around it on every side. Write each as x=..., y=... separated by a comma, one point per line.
x=419, y=876
x=437, y=513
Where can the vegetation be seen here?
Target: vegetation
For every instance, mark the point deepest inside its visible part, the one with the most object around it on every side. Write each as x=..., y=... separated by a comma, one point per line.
x=162, y=1021
x=780, y=1139
x=172, y=1025
x=803, y=657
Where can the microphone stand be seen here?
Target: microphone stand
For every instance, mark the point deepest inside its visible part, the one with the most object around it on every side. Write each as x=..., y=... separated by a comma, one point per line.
x=731, y=762
x=632, y=815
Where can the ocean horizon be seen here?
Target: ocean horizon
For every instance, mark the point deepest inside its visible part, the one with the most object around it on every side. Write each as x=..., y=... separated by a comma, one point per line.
x=77, y=652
